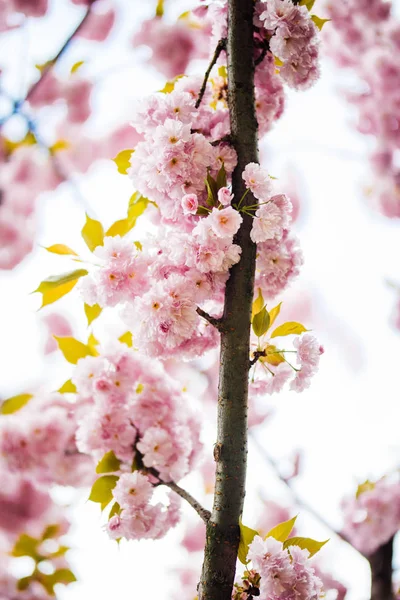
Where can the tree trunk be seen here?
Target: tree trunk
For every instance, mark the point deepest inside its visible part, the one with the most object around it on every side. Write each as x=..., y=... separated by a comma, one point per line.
x=381, y=572
x=231, y=448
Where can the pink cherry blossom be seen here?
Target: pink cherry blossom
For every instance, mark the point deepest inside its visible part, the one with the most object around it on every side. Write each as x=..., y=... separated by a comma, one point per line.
x=258, y=181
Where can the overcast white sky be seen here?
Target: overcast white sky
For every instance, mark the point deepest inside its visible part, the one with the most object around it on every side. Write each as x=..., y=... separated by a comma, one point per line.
x=347, y=424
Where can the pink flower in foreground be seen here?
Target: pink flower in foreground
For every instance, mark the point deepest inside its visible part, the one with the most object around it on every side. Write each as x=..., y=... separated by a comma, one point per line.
x=189, y=204
x=225, y=222
x=224, y=196
x=133, y=490
x=258, y=181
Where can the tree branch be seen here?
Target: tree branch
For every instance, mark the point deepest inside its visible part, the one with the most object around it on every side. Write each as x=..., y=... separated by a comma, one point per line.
x=223, y=533
x=220, y=46
x=201, y=511
x=299, y=501
x=381, y=563
x=50, y=64
x=217, y=323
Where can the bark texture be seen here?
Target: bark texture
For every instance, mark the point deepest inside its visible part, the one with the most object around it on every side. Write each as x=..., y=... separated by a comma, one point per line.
x=231, y=448
x=381, y=572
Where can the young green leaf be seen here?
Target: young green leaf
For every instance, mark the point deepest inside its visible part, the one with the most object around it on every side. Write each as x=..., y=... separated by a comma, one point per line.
x=212, y=191
x=289, y=328
x=367, y=486
x=67, y=388
x=261, y=322
x=73, y=349
x=307, y=3
x=92, y=233
x=92, y=312
x=58, y=286
x=115, y=510
x=246, y=537
x=26, y=545
x=61, y=249
x=76, y=66
x=221, y=178
x=257, y=304
x=319, y=22
x=123, y=161
x=126, y=338
x=305, y=544
x=274, y=313
x=14, y=404
x=282, y=531
x=108, y=464
x=273, y=357
x=102, y=488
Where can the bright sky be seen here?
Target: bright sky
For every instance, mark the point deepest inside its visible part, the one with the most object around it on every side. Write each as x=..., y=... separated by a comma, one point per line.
x=347, y=423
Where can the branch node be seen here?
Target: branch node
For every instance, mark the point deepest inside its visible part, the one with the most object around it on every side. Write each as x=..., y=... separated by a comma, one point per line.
x=220, y=46
x=217, y=323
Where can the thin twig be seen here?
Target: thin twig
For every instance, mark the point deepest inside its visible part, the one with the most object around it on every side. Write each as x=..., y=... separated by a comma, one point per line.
x=299, y=501
x=262, y=55
x=50, y=64
x=217, y=323
x=201, y=511
x=220, y=46
x=256, y=355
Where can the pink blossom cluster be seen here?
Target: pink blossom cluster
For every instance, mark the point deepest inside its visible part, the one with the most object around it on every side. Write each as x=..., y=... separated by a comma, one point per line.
x=26, y=508
x=131, y=406
x=173, y=45
x=372, y=516
x=365, y=37
x=279, y=257
x=96, y=27
x=275, y=374
x=26, y=169
x=172, y=161
x=139, y=519
x=285, y=573
x=39, y=441
x=294, y=40
x=131, y=403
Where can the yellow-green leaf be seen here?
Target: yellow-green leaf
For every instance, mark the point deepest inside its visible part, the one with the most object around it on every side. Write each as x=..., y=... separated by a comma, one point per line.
x=93, y=233
x=319, y=22
x=160, y=8
x=282, y=531
x=261, y=322
x=73, y=349
x=115, y=510
x=58, y=286
x=307, y=3
x=14, y=404
x=246, y=537
x=273, y=357
x=26, y=545
x=305, y=544
x=289, y=328
x=123, y=161
x=51, y=531
x=92, y=343
x=76, y=66
x=108, y=464
x=274, y=312
x=67, y=388
x=367, y=486
x=170, y=85
x=92, y=312
x=258, y=303
x=126, y=338
x=101, y=491
x=61, y=249
x=278, y=61
x=222, y=71
x=59, y=145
